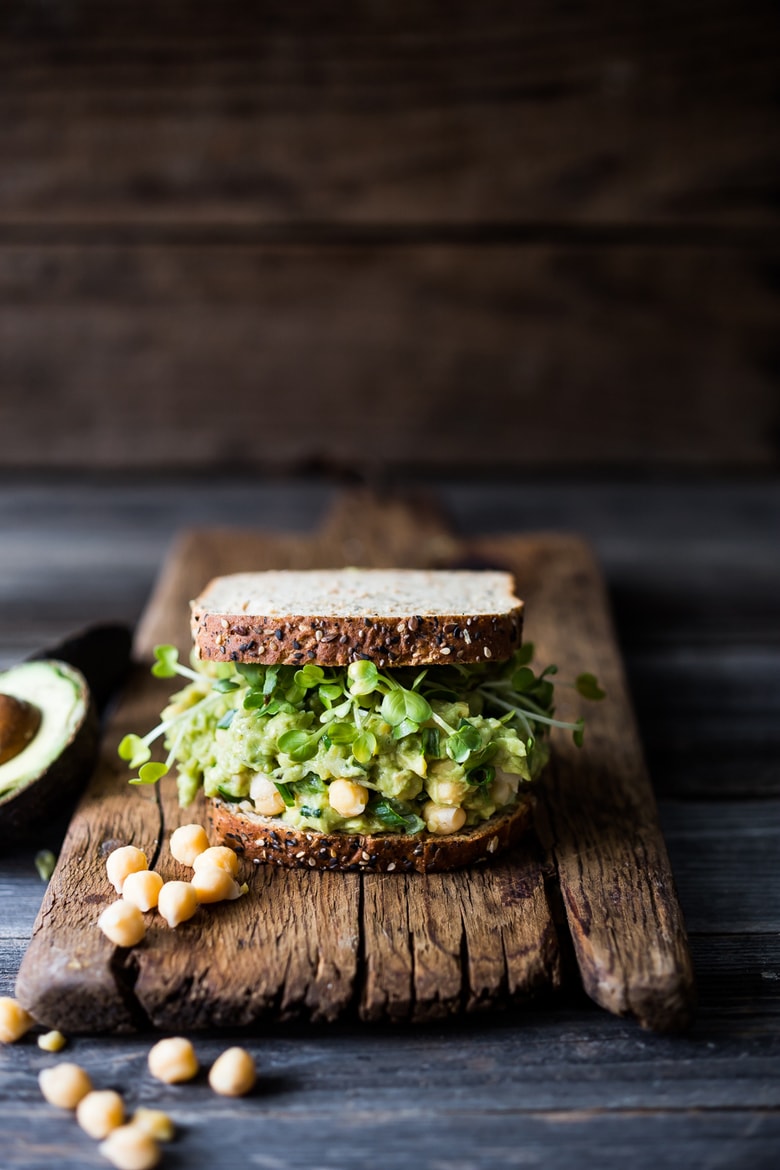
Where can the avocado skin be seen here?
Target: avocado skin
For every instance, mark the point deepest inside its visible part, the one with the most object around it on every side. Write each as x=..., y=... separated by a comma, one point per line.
x=42, y=798
x=102, y=653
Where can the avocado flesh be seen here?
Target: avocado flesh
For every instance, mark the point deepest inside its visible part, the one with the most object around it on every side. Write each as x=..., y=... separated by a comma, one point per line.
x=61, y=695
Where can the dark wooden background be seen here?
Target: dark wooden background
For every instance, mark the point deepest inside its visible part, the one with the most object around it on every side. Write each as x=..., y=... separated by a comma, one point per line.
x=389, y=235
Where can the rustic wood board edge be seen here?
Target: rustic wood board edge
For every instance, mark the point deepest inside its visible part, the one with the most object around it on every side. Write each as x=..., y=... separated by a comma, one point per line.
x=602, y=825
x=398, y=980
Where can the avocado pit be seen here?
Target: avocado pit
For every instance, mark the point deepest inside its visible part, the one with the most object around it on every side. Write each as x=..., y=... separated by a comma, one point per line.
x=19, y=723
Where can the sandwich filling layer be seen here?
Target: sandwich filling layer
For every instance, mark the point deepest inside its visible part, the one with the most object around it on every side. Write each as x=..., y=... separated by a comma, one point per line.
x=356, y=749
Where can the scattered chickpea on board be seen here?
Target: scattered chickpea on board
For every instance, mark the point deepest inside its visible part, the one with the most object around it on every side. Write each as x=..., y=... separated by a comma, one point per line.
x=101, y=1113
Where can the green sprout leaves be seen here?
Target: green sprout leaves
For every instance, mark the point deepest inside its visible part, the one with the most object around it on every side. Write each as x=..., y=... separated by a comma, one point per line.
x=405, y=707
x=299, y=745
x=482, y=776
x=150, y=773
x=135, y=750
x=364, y=747
x=350, y=711
x=341, y=733
x=363, y=678
x=397, y=816
x=523, y=679
x=587, y=686
x=309, y=676
x=464, y=742
x=166, y=661
x=137, y=753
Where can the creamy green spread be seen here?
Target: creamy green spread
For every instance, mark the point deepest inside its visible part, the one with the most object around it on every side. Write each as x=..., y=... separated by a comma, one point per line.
x=454, y=736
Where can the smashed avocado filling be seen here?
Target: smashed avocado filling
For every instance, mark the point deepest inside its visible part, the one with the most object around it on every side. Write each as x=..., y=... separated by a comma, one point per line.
x=412, y=746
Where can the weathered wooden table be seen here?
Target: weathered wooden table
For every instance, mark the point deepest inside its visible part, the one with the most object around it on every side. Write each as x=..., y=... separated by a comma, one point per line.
x=694, y=574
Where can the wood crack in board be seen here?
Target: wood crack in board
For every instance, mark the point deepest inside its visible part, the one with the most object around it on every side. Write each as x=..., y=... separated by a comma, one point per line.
x=327, y=946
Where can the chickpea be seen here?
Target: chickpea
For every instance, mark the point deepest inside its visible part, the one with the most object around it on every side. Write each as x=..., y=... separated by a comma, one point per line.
x=177, y=902
x=122, y=923
x=219, y=856
x=450, y=792
x=173, y=1061
x=100, y=1112
x=14, y=1020
x=347, y=798
x=142, y=888
x=52, y=1041
x=233, y=1074
x=441, y=819
x=127, y=859
x=266, y=796
x=155, y=1123
x=129, y=1148
x=64, y=1085
x=215, y=885
x=187, y=842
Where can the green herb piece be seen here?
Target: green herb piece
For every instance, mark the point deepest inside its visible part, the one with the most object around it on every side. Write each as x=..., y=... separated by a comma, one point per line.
x=227, y=795
x=313, y=814
x=166, y=661
x=150, y=774
x=363, y=677
x=431, y=743
x=392, y=814
x=340, y=711
x=364, y=747
x=134, y=750
x=482, y=776
x=523, y=679
x=329, y=694
x=311, y=785
x=309, y=676
x=252, y=672
x=579, y=734
x=45, y=862
x=400, y=705
x=587, y=685
x=227, y=718
x=224, y=685
x=298, y=745
x=465, y=741
x=286, y=793
x=341, y=732
x=524, y=655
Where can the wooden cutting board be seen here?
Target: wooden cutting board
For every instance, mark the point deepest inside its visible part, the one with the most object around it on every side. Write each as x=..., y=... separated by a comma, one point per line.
x=594, y=881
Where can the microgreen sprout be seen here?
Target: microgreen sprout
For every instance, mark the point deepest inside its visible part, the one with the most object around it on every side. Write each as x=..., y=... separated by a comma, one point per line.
x=136, y=750
x=439, y=713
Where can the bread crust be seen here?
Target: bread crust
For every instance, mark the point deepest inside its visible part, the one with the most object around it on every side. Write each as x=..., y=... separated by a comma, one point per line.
x=270, y=840
x=418, y=640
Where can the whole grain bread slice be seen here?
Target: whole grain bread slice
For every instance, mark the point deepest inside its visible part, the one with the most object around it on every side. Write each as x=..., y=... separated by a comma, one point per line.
x=270, y=840
x=394, y=617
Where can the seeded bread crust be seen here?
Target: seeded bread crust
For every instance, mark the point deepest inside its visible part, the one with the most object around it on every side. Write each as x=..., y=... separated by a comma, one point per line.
x=363, y=613
x=270, y=840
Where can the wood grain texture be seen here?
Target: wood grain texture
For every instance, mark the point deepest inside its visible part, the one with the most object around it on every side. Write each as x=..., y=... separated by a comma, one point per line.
x=258, y=114
x=372, y=358
x=612, y=863
x=391, y=946
x=694, y=577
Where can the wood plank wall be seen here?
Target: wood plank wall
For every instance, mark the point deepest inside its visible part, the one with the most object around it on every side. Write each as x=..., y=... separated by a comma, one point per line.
x=389, y=235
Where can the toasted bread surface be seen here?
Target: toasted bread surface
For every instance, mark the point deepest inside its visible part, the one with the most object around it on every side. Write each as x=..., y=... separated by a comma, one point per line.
x=393, y=617
x=270, y=840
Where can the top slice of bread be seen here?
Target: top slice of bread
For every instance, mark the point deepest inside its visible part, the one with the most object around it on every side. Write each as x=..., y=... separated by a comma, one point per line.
x=394, y=617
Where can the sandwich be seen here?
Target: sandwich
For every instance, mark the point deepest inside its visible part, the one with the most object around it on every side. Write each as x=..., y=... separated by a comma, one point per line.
x=358, y=719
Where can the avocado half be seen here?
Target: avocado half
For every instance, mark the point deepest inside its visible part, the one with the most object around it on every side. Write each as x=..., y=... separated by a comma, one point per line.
x=48, y=740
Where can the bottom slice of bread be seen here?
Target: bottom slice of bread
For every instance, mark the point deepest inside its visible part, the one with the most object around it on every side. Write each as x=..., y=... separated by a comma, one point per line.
x=269, y=839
